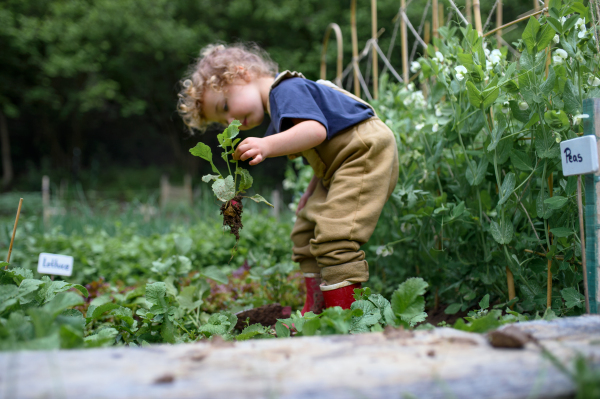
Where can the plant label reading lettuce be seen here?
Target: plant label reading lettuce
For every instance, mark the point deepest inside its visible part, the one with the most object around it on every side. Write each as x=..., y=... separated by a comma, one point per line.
x=579, y=156
x=61, y=265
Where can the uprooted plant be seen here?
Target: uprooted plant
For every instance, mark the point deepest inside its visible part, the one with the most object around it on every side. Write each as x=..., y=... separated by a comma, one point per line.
x=228, y=189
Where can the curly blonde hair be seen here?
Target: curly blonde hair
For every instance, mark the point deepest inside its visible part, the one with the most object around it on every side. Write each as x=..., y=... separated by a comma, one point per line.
x=218, y=66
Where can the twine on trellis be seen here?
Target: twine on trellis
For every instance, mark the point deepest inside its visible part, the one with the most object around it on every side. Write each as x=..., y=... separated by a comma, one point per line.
x=462, y=17
x=489, y=19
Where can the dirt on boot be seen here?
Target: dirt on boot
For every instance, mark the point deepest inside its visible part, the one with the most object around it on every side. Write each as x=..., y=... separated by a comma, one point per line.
x=232, y=215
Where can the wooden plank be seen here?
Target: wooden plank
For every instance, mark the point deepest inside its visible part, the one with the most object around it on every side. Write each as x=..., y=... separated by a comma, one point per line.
x=441, y=363
x=591, y=126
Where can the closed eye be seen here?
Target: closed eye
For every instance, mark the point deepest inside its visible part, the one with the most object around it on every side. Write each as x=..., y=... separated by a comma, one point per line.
x=225, y=107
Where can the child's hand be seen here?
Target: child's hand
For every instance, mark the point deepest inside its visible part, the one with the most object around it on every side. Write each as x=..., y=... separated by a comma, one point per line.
x=252, y=147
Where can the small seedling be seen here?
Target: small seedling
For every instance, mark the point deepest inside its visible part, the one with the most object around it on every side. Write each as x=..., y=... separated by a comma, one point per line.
x=228, y=189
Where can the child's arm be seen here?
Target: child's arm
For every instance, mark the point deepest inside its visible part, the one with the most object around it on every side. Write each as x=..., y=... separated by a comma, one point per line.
x=305, y=134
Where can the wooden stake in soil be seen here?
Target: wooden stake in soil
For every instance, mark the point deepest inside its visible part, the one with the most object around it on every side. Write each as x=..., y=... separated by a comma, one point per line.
x=404, y=41
x=340, y=53
x=499, y=23
x=477, y=12
x=469, y=11
x=434, y=18
x=549, y=282
x=354, y=47
x=374, y=53
x=12, y=240
x=582, y=238
x=591, y=126
x=510, y=282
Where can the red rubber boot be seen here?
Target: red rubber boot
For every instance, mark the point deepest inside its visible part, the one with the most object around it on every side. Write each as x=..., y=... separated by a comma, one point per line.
x=314, y=297
x=341, y=294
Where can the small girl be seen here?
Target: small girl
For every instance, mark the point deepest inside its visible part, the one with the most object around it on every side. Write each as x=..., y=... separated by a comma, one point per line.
x=352, y=152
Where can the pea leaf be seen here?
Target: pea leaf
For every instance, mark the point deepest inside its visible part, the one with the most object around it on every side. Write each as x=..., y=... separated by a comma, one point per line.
x=507, y=188
x=502, y=232
x=556, y=202
x=561, y=231
x=474, y=95
x=530, y=33
x=521, y=161
x=545, y=145
x=475, y=174
x=571, y=99
x=545, y=36
x=489, y=96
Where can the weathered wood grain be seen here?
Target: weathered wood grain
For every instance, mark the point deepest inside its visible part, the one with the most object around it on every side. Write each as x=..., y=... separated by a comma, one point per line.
x=442, y=363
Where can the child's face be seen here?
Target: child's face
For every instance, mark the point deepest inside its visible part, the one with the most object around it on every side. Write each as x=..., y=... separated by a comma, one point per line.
x=240, y=100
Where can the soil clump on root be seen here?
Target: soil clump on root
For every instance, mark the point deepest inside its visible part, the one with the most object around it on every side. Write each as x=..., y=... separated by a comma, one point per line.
x=265, y=315
x=232, y=215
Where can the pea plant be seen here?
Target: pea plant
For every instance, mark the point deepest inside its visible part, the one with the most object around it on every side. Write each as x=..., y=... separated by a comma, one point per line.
x=228, y=189
x=481, y=190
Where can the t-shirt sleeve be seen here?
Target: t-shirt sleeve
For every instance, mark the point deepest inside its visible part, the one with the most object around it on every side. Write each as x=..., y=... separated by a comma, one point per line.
x=292, y=98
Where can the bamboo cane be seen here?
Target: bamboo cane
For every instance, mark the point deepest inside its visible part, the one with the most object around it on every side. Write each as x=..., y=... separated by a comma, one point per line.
x=549, y=290
x=469, y=7
x=499, y=23
x=434, y=18
x=340, y=53
x=12, y=239
x=477, y=12
x=354, y=47
x=374, y=50
x=404, y=41
x=440, y=17
x=491, y=32
x=582, y=238
x=510, y=281
x=536, y=5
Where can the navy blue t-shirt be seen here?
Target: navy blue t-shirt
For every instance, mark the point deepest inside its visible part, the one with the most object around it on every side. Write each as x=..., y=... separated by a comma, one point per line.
x=304, y=99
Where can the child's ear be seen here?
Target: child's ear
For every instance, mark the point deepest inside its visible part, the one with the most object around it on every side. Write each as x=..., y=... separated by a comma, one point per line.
x=245, y=73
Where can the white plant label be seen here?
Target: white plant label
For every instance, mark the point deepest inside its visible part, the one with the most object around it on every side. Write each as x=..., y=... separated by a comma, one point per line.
x=579, y=156
x=61, y=265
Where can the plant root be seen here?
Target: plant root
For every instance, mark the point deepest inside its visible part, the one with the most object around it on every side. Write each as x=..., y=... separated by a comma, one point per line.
x=232, y=215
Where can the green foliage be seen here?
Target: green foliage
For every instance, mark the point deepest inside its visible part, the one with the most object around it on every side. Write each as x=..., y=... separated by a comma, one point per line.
x=476, y=158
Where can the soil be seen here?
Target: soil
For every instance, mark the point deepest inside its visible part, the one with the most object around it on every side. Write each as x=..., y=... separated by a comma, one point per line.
x=232, y=215
x=436, y=316
x=266, y=315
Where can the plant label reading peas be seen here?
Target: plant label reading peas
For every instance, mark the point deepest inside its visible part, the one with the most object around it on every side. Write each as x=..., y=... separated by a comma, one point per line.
x=579, y=156
x=55, y=264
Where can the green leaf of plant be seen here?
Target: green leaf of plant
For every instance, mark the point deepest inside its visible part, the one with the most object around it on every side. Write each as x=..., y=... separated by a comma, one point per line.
x=521, y=161
x=474, y=95
x=548, y=84
x=203, y=151
x=545, y=145
x=571, y=99
x=557, y=120
x=155, y=294
x=281, y=330
x=530, y=34
x=556, y=202
x=259, y=198
x=104, y=337
x=489, y=96
x=224, y=189
x=572, y=297
x=100, y=310
x=485, y=302
x=561, y=231
x=125, y=314
x=209, y=178
x=542, y=210
x=251, y=332
x=545, y=37
x=186, y=298
x=230, y=133
x=245, y=179
x=453, y=309
x=475, y=177
x=61, y=302
x=215, y=273
x=408, y=302
x=507, y=188
x=502, y=232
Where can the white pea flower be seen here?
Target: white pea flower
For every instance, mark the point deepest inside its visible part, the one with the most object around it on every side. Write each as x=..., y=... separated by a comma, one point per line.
x=494, y=59
x=411, y=87
x=523, y=106
x=485, y=46
x=461, y=71
x=580, y=24
x=439, y=56
x=593, y=81
x=419, y=126
x=563, y=20
x=487, y=52
x=581, y=34
x=561, y=53
x=384, y=250
x=435, y=128
x=497, y=53
x=579, y=117
x=438, y=112
x=556, y=39
x=505, y=107
x=557, y=59
x=415, y=66
x=488, y=65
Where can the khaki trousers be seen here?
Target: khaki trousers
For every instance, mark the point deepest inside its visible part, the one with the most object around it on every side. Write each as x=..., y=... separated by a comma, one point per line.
x=358, y=169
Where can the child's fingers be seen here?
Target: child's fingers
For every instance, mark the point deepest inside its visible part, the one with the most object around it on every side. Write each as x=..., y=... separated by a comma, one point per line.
x=257, y=159
x=250, y=153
